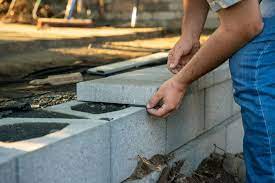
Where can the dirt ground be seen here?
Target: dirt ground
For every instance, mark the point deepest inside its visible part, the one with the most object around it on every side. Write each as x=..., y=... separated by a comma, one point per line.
x=28, y=53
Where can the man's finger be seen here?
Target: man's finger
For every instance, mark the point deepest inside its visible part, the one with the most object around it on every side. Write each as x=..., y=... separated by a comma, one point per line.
x=160, y=112
x=175, y=60
x=154, y=101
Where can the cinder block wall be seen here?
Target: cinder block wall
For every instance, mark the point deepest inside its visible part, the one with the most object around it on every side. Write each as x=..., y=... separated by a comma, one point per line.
x=162, y=13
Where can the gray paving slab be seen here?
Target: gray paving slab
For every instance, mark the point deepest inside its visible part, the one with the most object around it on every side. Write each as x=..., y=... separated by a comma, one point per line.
x=128, y=64
x=187, y=122
x=133, y=135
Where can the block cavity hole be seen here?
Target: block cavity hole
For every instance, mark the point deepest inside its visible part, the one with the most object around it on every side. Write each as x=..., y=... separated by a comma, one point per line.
x=25, y=131
x=99, y=108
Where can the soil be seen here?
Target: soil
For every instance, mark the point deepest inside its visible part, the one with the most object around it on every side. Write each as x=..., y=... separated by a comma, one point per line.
x=209, y=171
x=24, y=131
x=36, y=54
x=98, y=108
x=41, y=114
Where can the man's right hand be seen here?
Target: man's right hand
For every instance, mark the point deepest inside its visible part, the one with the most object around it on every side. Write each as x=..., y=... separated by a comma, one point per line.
x=181, y=53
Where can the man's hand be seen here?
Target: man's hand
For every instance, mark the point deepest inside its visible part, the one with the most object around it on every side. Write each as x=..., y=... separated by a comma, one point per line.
x=181, y=53
x=167, y=99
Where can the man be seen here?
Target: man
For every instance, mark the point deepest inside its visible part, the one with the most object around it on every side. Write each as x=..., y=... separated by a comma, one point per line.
x=247, y=35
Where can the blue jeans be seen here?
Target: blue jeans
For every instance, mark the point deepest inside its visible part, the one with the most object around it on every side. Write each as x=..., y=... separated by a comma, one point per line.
x=253, y=74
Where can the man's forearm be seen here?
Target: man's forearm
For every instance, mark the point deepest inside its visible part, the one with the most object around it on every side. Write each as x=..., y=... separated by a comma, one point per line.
x=233, y=33
x=195, y=14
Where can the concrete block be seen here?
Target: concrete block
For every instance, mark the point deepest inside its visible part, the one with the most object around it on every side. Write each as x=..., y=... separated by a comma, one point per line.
x=8, y=164
x=235, y=107
x=8, y=171
x=206, y=81
x=117, y=91
x=218, y=103
x=219, y=75
x=78, y=153
x=135, y=87
x=129, y=88
x=234, y=137
x=84, y=158
x=222, y=73
x=132, y=135
x=187, y=123
x=133, y=132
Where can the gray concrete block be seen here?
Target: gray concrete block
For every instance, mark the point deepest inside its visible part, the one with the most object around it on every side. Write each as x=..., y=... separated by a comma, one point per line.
x=187, y=122
x=78, y=153
x=219, y=75
x=222, y=73
x=160, y=57
x=8, y=171
x=234, y=137
x=8, y=164
x=135, y=87
x=117, y=91
x=235, y=107
x=133, y=135
x=84, y=158
x=218, y=103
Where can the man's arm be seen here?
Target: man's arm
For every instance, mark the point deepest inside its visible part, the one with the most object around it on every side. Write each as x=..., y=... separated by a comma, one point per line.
x=195, y=14
x=239, y=24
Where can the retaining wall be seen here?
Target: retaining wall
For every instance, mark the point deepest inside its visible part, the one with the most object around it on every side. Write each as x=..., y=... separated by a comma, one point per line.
x=104, y=146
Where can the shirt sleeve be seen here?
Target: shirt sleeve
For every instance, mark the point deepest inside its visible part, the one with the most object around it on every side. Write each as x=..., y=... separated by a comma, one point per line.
x=217, y=5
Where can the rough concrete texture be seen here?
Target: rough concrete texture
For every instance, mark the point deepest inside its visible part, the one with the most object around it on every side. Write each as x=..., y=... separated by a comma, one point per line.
x=235, y=107
x=83, y=159
x=234, y=137
x=219, y=75
x=133, y=135
x=218, y=103
x=137, y=87
x=8, y=171
x=78, y=153
x=187, y=122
